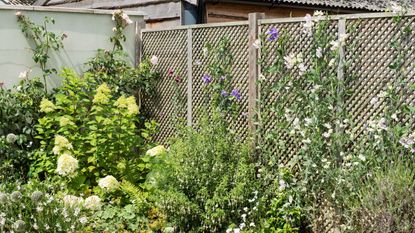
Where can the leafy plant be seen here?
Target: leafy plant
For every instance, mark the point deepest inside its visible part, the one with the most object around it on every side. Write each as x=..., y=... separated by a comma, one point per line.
x=44, y=41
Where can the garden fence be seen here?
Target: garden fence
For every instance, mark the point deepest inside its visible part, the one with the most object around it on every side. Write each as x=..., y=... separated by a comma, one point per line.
x=181, y=49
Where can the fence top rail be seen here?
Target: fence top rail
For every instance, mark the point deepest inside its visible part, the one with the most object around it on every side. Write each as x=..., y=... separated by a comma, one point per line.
x=336, y=17
x=194, y=26
x=67, y=9
x=281, y=20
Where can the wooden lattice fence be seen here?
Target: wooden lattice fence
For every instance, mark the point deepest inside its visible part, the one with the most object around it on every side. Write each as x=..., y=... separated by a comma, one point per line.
x=181, y=49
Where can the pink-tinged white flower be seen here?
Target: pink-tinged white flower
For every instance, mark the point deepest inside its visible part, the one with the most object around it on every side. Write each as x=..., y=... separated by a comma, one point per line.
x=318, y=15
x=126, y=19
x=302, y=68
x=154, y=60
x=24, y=74
x=382, y=124
x=319, y=52
x=290, y=61
x=257, y=44
x=308, y=25
x=18, y=14
x=396, y=8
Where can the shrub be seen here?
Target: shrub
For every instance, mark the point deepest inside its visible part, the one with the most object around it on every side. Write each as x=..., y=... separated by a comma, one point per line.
x=210, y=182
x=18, y=115
x=98, y=129
x=386, y=201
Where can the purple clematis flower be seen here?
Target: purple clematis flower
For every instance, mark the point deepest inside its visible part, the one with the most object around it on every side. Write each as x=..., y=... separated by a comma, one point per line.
x=207, y=79
x=224, y=93
x=273, y=34
x=235, y=93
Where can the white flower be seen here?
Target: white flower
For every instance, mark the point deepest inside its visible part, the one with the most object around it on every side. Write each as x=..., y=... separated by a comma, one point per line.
x=308, y=25
x=83, y=220
x=282, y=185
x=126, y=19
x=290, y=61
x=362, y=157
x=319, y=52
x=205, y=51
x=236, y=230
x=252, y=224
x=327, y=134
x=257, y=44
x=296, y=123
x=343, y=38
x=11, y=138
x=72, y=201
x=154, y=60
x=396, y=8
x=318, y=15
x=18, y=14
x=374, y=100
x=108, y=183
x=67, y=165
x=382, y=124
x=332, y=62
x=156, y=151
x=114, y=29
x=334, y=45
x=62, y=144
x=407, y=142
x=24, y=74
x=308, y=121
x=302, y=68
x=93, y=203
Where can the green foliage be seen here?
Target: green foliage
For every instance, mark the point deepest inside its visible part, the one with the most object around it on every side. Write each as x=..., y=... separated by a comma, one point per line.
x=209, y=182
x=18, y=115
x=44, y=41
x=284, y=214
x=386, y=201
x=101, y=129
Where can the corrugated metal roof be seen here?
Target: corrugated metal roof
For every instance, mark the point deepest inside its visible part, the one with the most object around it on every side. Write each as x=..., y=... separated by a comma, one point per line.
x=372, y=5
x=19, y=2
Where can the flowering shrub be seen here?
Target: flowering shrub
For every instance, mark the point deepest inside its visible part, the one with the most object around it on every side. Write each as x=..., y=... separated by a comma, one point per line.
x=87, y=134
x=18, y=115
x=209, y=182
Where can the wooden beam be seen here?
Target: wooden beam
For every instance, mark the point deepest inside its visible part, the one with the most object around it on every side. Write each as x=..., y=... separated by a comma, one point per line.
x=253, y=68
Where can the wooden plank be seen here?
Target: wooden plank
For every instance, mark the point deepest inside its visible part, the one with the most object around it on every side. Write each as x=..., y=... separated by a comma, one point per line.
x=139, y=25
x=189, y=77
x=253, y=68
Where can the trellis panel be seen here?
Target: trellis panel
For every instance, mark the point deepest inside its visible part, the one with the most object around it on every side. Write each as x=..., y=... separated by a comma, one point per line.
x=169, y=102
x=239, y=49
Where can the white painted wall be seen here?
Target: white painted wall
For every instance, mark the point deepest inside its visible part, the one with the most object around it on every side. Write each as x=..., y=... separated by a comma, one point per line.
x=87, y=30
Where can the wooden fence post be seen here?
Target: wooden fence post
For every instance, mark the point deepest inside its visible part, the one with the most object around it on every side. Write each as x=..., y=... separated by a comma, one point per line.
x=189, y=77
x=253, y=68
x=139, y=25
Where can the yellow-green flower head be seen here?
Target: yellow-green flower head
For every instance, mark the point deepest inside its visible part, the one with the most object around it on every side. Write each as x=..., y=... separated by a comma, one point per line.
x=103, y=94
x=127, y=103
x=62, y=144
x=108, y=183
x=47, y=106
x=64, y=121
x=67, y=165
x=156, y=151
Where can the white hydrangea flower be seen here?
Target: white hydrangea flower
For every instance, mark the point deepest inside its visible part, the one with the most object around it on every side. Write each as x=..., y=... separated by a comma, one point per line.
x=72, y=201
x=108, y=183
x=93, y=203
x=67, y=165
x=156, y=151
x=62, y=144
